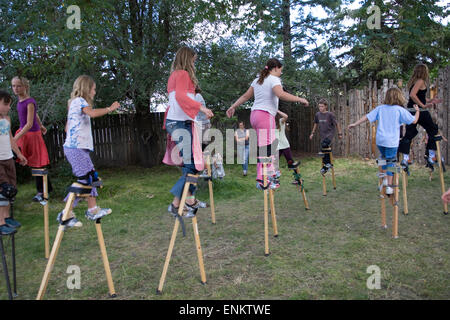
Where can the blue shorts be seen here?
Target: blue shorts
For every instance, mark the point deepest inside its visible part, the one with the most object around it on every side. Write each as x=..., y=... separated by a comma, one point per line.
x=388, y=153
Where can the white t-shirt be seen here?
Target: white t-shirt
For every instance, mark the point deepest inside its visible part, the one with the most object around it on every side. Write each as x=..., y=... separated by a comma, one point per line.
x=280, y=134
x=79, y=132
x=265, y=99
x=175, y=111
x=5, y=140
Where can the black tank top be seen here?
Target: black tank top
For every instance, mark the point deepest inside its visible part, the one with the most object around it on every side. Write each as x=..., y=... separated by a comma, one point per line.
x=421, y=94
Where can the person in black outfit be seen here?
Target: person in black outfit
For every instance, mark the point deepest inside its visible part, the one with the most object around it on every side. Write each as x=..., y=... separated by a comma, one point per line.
x=418, y=86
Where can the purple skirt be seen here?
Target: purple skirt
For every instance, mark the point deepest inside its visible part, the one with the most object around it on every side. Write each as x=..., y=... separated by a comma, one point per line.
x=81, y=164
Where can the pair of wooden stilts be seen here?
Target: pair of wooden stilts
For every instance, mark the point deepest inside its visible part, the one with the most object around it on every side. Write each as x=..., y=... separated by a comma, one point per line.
x=393, y=199
x=12, y=293
x=75, y=190
x=324, y=183
x=191, y=179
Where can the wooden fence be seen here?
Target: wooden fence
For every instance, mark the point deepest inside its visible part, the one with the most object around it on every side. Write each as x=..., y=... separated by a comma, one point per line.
x=122, y=140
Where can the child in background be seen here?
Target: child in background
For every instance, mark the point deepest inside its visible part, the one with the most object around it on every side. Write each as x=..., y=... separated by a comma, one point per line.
x=241, y=136
x=29, y=136
x=7, y=166
x=390, y=117
x=79, y=142
x=327, y=127
x=284, y=147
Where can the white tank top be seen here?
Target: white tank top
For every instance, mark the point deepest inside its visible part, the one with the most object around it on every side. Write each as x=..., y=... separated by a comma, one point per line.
x=5, y=140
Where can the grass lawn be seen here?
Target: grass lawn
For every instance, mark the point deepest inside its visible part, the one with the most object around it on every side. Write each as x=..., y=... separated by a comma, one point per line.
x=322, y=253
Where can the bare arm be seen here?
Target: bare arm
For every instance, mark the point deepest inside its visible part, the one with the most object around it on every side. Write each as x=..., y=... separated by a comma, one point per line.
x=357, y=123
x=242, y=99
x=95, y=113
x=29, y=124
x=417, y=115
x=41, y=126
x=283, y=115
x=283, y=95
x=312, y=132
x=15, y=148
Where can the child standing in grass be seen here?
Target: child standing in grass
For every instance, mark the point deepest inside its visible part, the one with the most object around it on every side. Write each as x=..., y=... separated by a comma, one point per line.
x=284, y=148
x=7, y=166
x=79, y=141
x=390, y=117
x=29, y=136
x=242, y=140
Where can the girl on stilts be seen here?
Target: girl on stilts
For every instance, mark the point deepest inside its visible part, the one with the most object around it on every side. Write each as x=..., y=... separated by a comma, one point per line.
x=181, y=129
x=79, y=142
x=29, y=136
x=418, y=86
x=267, y=90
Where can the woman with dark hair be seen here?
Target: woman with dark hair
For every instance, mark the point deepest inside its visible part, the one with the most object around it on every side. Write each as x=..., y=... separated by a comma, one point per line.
x=418, y=86
x=267, y=90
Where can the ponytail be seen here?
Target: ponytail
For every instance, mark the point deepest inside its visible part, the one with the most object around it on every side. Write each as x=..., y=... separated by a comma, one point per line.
x=270, y=64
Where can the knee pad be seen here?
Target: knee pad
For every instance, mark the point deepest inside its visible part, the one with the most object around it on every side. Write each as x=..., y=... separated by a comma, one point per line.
x=326, y=143
x=8, y=191
x=90, y=179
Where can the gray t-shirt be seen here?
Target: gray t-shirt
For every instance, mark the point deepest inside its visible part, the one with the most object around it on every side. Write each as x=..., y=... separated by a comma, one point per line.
x=242, y=134
x=327, y=124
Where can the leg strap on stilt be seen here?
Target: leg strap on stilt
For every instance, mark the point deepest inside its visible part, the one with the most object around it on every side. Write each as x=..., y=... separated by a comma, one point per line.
x=437, y=138
x=39, y=172
x=80, y=189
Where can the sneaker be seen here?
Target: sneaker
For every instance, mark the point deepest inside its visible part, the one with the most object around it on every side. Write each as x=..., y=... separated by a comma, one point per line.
x=405, y=166
x=198, y=204
x=295, y=182
x=204, y=174
x=294, y=165
x=389, y=190
x=188, y=212
x=10, y=222
x=323, y=170
x=98, y=213
x=5, y=230
x=38, y=197
x=71, y=222
x=244, y=173
x=329, y=165
x=429, y=163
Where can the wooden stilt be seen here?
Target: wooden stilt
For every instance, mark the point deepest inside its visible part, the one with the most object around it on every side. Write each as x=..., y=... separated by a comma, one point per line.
x=81, y=191
x=324, y=185
x=395, y=215
x=383, y=205
x=404, y=186
x=199, y=250
x=210, y=185
x=44, y=174
x=266, y=214
x=273, y=213
x=441, y=171
x=101, y=242
x=46, y=232
x=332, y=170
x=189, y=180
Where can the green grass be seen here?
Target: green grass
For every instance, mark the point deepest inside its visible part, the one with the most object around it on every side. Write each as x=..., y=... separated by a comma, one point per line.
x=322, y=253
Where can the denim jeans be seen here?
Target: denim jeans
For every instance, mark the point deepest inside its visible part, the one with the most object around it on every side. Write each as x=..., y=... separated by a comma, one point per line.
x=243, y=154
x=181, y=134
x=388, y=154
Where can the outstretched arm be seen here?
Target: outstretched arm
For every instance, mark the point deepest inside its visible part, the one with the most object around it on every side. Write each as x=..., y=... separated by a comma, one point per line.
x=357, y=123
x=242, y=99
x=283, y=95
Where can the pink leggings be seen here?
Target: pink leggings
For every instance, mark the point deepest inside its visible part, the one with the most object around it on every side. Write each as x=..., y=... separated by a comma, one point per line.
x=264, y=124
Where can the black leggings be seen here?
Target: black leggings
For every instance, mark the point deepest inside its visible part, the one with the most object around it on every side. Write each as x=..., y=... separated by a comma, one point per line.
x=40, y=184
x=427, y=123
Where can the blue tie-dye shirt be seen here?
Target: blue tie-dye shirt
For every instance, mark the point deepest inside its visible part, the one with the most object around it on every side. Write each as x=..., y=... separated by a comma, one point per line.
x=79, y=133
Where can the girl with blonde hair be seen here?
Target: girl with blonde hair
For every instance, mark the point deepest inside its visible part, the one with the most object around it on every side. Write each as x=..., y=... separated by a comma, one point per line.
x=79, y=142
x=181, y=129
x=390, y=115
x=29, y=135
